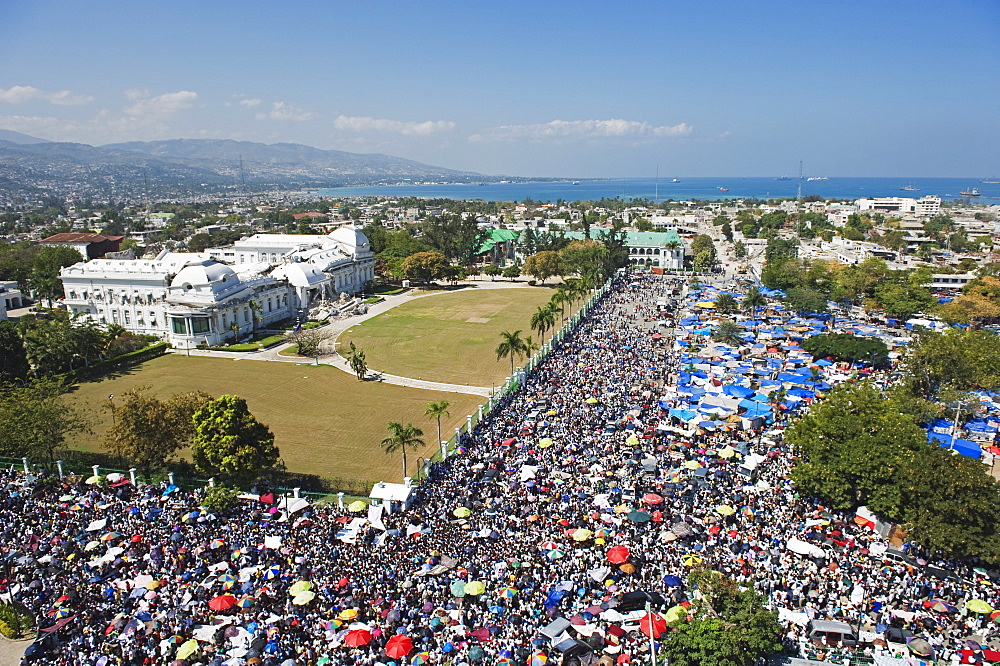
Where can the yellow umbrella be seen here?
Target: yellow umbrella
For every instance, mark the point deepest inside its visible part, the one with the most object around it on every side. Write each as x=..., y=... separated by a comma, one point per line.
x=978, y=606
x=348, y=614
x=153, y=585
x=462, y=512
x=551, y=412
x=632, y=441
x=93, y=480
x=300, y=586
x=691, y=560
x=691, y=464
x=357, y=506
x=591, y=401
x=582, y=535
x=474, y=587
x=727, y=452
x=675, y=613
x=599, y=541
x=302, y=598
x=725, y=510
x=623, y=508
x=545, y=442
x=187, y=648
x=91, y=545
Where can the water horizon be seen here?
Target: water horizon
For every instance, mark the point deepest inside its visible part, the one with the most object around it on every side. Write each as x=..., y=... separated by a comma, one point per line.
x=684, y=189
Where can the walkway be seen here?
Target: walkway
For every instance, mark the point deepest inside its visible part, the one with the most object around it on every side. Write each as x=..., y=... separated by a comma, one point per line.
x=337, y=326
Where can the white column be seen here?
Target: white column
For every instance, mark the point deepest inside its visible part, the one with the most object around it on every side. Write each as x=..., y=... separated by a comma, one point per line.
x=97, y=470
x=60, y=468
x=170, y=477
x=24, y=461
x=468, y=421
x=131, y=475
x=480, y=413
x=295, y=492
x=340, y=500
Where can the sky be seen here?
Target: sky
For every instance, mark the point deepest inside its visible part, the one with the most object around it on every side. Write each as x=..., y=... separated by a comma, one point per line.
x=542, y=88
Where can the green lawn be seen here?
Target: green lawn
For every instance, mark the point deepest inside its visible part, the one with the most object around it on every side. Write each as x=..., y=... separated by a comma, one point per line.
x=324, y=420
x=448, y=337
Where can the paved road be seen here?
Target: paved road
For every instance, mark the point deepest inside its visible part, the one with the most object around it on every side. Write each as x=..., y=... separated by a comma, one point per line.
x=338, y=326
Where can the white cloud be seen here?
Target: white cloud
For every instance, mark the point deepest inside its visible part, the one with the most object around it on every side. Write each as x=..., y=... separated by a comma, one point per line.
x=285, y=112
x=19, y=94
x=250, y=103
x=558, y=130
x=365, y=124
x=159, y=106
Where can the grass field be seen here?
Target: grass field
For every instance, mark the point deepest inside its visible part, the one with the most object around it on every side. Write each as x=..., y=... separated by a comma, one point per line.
x=324, y=420
x=448, y=337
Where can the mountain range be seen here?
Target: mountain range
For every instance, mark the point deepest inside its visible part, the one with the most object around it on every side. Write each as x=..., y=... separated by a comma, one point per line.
x=189, y=167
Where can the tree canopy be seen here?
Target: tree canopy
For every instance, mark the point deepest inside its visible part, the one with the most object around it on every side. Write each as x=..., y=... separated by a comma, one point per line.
x=847, y=347
x=229, y=442
x=35, y=420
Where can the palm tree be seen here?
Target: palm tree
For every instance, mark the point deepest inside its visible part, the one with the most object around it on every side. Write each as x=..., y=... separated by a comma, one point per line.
x=436, y=410
x=725, y=303
x=728, y=332
x=559, y=300
x=401, y=438
x=254, y=317
x=512, y=345
x=753, y=300
x=543, y=319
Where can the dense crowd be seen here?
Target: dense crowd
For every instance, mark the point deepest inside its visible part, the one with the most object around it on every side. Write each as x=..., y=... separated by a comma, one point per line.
x=564, y=469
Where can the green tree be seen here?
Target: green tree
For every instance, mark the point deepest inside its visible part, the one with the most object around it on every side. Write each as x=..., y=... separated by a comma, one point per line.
x=35, y=420
x=543, y=319
x=739, y=250
x=960, y=359
x=148, y=431
x=847, y=347
x=13, y=359
x=512, y=272
x=725, y=626
x=703, y=243
x=512, y=344
x=402, y=438
x=230, y=443
x=493, y=271
x=425, y=266
x=804, y=299
x=728, y=332
x=356, y=359
x=753, y=301
x=726, y=303
x=582, y=255
x=543, y=265
x=458, y=237
x=436, y=410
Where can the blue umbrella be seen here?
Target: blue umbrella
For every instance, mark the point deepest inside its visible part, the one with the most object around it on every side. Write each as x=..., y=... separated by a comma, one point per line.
x=672, y=581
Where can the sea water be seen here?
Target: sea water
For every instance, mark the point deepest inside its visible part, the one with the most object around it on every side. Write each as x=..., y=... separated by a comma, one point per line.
x=663, y=189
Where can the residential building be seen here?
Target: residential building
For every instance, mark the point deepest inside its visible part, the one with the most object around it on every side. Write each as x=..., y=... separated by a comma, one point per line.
x=926, y=206
x=90, y=246
x=11, y=298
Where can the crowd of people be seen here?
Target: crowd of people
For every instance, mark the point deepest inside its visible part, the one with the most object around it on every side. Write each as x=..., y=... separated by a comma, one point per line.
x=509, y=533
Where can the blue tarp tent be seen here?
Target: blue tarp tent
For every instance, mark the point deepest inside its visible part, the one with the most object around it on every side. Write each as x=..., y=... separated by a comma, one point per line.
x=964, y=446
x=737, y=391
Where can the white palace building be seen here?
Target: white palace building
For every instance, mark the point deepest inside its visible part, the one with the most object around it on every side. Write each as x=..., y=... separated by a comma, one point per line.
x=195, y=298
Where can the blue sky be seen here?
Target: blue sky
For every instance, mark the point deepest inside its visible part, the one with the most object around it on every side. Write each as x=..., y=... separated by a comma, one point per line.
x=584, y=89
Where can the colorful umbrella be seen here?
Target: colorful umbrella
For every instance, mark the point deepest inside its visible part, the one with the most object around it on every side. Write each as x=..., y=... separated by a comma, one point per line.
x=272, y=571
x=420, y=658
x=538, y=659
x=358, y=637
x=222, y=603
x=548, y=545
x=978, y=606
x=111, y=536
x=246, y=602
x=618, y=554
x=555, y=554
x=398, y=646
x=216, y=543
x=508, y=592
x=187, y=649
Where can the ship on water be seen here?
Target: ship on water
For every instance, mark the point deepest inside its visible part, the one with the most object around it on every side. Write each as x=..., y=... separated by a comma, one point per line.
x=812, y=178
x=974, y=192
x=990, y=181
x=910, y=188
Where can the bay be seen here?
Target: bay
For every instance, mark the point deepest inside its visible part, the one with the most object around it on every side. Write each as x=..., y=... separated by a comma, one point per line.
x=662, y=189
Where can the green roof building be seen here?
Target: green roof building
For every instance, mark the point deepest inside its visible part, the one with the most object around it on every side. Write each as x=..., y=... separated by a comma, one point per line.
x=664, y=249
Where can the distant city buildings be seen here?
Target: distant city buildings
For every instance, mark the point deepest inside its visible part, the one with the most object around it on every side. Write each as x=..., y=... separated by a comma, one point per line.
x=924, y=206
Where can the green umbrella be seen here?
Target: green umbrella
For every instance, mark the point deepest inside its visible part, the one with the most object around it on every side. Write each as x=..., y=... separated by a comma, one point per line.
x=639, y=517
x=555, y=554
x=458, y=588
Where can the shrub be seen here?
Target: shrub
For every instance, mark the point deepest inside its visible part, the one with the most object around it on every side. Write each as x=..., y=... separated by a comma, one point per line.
x=219, y=498
x=15, y=622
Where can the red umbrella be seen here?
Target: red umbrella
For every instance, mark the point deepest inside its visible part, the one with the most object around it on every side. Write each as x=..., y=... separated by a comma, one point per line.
x=358, y=637
x=652, y=624
x=223, y=602
x=398, y=646
x=618, y=554
x=652, y=498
